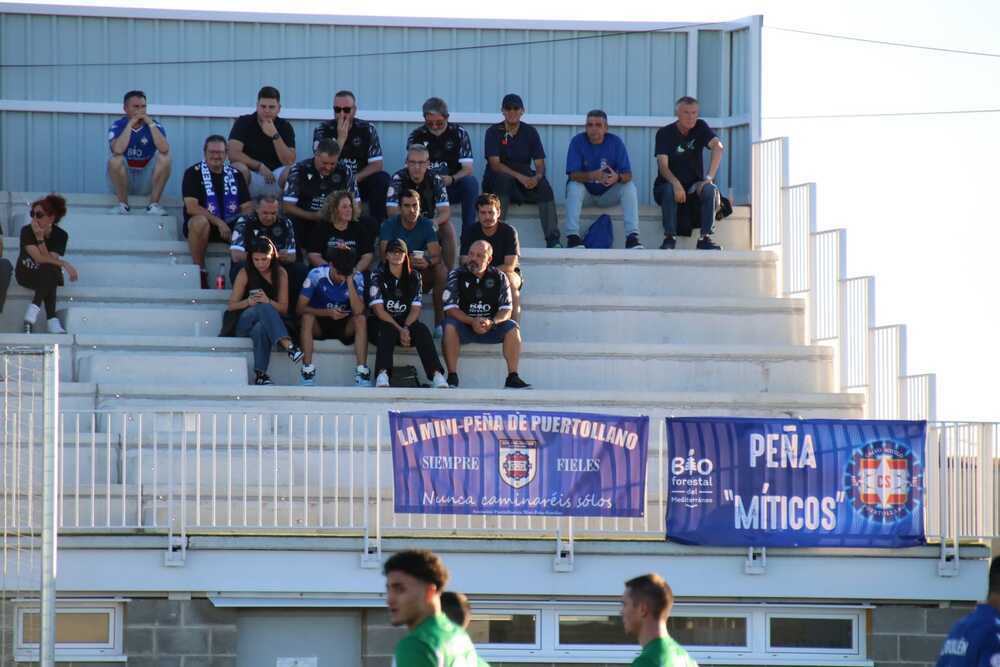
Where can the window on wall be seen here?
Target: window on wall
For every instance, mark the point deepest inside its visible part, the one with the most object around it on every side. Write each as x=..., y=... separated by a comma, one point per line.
x=504, y=629
x=85, y=631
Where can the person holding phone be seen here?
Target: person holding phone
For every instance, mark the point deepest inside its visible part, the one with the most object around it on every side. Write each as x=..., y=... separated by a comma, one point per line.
x=40, y=262
x=260, y=290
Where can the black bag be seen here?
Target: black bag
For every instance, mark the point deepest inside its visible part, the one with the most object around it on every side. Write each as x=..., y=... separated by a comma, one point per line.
x=404, y=376
x=229, y=321
x=725, y=208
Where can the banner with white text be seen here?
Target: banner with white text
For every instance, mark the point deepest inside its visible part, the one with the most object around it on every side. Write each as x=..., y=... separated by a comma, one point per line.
x=795, y=483
x=517, y=462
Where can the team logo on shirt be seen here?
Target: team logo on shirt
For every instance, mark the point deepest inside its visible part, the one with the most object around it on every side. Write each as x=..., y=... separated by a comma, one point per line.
x=995, y=660
x=518, y=461
x=884, y=480
x=490, y=283
x=356, y=141
x=449, y=145
x=373, y=290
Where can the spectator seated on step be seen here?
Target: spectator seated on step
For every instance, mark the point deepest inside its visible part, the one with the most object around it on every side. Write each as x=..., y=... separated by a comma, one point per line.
x=214, y=197
x=309, y=183
x=478, y=310
x=682, y=177
x=425, y=249
x=331, y=305
x=360, y=151
x=395, y=300
x=40, y=263
x=260, y=295
x=515, y=168
x=504, y=246
x=140, y=156
x=434, y=201
x=6, y=273
x=340, y=228
x=600, y=174
x=266, y=221
x=262, y=145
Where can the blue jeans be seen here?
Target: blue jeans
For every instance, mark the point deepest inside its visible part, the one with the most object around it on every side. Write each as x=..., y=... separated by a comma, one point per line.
x=577, y=196
x=664, y=196
x=464, y=191
x=262, y=324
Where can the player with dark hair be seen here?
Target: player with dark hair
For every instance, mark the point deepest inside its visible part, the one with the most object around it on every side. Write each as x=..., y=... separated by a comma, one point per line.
x=974, y=641
x=413, y=581
x=646, y=605
x=455, y=606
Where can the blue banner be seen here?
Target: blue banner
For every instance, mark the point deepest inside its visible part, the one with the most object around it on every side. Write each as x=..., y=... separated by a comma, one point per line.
x=795, y=483
x=514, y=462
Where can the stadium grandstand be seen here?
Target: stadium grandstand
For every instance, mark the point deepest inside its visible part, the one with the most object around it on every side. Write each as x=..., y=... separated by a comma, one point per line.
x=206, y=516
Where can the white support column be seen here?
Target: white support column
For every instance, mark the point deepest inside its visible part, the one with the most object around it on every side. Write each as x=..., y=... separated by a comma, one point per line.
x=755, y=81
x=691, y=89
x=50, y=505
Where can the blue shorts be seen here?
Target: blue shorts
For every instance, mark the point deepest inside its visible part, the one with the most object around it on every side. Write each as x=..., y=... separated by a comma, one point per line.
x=466, y=334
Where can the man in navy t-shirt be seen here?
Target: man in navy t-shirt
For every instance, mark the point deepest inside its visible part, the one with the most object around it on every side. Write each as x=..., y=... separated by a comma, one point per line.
x=140, y=156
x=600, y=174
x=681, y=172
x=975, y=640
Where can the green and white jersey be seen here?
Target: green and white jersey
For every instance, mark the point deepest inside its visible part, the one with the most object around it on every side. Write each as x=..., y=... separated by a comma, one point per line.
x=436, y=642
x=664, y=652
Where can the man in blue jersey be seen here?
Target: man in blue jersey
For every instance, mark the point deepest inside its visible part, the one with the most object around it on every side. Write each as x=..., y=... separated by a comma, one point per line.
x=140, y=156
x=975, y=640
x=331, y=306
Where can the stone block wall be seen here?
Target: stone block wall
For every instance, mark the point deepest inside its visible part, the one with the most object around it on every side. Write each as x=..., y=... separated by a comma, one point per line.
x=910, y=636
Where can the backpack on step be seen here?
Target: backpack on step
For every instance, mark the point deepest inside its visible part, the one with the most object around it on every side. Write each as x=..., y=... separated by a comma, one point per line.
x=601, y=234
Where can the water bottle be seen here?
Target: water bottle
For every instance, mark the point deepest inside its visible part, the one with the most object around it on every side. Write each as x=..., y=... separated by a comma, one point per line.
x=220, y=277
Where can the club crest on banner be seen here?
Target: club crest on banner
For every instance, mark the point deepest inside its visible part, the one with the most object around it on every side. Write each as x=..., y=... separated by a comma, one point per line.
x=518, y=461
x=884, y=480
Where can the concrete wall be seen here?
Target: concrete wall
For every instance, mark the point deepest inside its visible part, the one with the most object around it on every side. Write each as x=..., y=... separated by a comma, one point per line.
x=910, y=636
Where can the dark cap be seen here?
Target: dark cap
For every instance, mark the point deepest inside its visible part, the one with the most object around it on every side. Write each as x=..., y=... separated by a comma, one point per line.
x=397, y=244
x=512, y=101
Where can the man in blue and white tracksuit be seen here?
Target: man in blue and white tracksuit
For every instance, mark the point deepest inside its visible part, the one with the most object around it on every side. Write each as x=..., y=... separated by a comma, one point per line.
x=975, y=640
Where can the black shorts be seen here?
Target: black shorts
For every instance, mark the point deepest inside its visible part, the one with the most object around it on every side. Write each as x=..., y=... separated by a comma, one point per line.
x=330, y=328
x=213, y=231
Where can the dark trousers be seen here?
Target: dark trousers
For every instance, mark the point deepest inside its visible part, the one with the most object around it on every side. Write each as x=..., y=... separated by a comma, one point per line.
x=6, y=272
x=507, y=188
x=387, y=338
x=464, y=191
x=373, y=192
x=44, y=280
x=663, y=195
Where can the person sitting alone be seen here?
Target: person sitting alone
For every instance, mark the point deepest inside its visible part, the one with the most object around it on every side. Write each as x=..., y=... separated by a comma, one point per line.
x=395, y=300
x=40, y=262
x=331, y=305
x=260, y=291
x=478, y=310
x=140, y=156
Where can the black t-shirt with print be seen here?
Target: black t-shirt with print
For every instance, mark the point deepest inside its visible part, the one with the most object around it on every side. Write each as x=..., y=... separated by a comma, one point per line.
x=193, y=186
x=326, y=237
x=448, y=151
x=363, y=145
x=57, y=241
x=683, y=152
x=308, y=190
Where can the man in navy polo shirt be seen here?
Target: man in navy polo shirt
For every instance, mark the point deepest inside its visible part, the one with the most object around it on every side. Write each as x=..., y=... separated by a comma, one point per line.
x=975, y=640
x=140, y=156
x=600, y=174
x=515, y=167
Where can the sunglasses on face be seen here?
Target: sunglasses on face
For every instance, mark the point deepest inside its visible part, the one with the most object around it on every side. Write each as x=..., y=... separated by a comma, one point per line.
x=343, y=109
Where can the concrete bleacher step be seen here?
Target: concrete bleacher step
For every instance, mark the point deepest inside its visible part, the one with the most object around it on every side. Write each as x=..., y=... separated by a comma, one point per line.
x=171, y=368
x=110, y=228
x=152, y=275
x=199, y=320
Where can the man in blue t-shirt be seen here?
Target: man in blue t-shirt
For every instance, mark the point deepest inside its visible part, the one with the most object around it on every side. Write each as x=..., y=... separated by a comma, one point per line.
x=140, y=156
x=600, y=174
x=975, y=640
x=682, y=174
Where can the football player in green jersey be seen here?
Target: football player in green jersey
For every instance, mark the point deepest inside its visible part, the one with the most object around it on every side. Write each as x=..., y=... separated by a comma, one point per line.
x=455, y=606
x=414, y=581
x=646, y=604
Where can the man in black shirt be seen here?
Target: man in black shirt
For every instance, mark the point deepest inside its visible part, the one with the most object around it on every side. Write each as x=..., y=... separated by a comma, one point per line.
x=450, y=154
x=681, y=172
x=434, y=201
x=503, y=244
x=214, y=196
x=261, y=145
x=478, y=310
x=360, y=150
x=310, y=182
x=511, y=148
x=267, y=221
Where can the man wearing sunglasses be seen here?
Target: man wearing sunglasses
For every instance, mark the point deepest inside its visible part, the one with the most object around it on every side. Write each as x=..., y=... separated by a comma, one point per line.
x=360, y=150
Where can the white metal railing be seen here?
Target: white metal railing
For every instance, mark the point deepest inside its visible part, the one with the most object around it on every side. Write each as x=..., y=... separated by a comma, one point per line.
x=181, y=472
x=841, y=310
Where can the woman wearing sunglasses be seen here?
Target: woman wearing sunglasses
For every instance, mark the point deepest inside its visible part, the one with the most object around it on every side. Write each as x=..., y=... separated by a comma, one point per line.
x=40, y=262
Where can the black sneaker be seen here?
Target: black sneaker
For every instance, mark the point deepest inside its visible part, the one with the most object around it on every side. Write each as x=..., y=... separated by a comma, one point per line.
x=633, y=242
x=294, y=353
x=262, y=378
x=453, y=380
x=514, y=381
x=705, y=243
x=573, y=241
x=669, y=243
x=553, y=243
x=28, y=327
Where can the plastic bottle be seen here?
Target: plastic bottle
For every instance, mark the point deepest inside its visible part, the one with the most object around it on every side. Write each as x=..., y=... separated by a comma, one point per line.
x=220, y=277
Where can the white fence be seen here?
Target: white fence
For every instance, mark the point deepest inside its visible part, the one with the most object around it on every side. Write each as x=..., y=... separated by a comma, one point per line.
x=841, y=310
x=181, y=472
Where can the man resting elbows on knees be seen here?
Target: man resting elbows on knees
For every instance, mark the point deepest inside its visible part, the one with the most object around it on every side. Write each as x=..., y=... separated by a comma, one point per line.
x=478, y=310
x=140, y=156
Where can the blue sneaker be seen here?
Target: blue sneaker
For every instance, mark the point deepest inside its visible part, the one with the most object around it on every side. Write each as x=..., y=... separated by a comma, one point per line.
x=308, y=375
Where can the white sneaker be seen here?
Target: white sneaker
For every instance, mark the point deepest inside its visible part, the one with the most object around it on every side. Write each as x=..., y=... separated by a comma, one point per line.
x=31, y=313
x=155, y=209
x=439, y=381
x=121, y=208
x=438, y=332
x=55, y=326
x=362, y=377
x=382, y=380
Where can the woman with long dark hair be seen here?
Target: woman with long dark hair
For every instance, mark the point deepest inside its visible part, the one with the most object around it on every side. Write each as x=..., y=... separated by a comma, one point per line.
x=396, y=301
x=40, y=261
x=260, y=290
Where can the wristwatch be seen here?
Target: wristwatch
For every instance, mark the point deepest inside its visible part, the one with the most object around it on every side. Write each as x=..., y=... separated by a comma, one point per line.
x=275, y=136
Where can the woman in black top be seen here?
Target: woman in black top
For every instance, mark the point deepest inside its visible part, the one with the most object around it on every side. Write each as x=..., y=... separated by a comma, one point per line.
x=339, y=227
x=40, y=263
x=261, y=292
x=395, y=299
